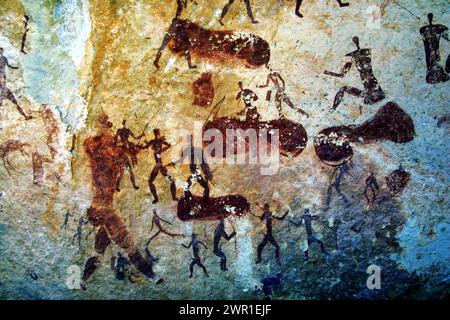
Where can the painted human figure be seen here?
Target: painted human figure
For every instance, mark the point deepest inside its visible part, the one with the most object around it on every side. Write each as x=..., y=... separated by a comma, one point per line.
x=78, y=234
x=66, y=220
x=107, y=162
x=176, y=29
x=123, y=140
x=156, y=221
x=431, y=35
x=372, y=185
x=372, y=92
x=5, y=93
x=248, y=96
x=268, y=237
x=307, y=219
x=226, y=8
x=338, y=174
x=299, y=3
x=198, y=164
x=269, y=284
x=159, y=145
x=220, y=233
x=196, y=260
x=280, y=95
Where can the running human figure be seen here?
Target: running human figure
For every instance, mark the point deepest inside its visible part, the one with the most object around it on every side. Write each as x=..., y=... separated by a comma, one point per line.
x=124, y=135
x=431, y=35
x=338, y=174
x=220, y=233
x=372, y=92
x=372, y=184
x=156, y=221
x=226, y=8
x=66, y=220
x=196, y=260
x=5, y=93
x=196, y=157
x=307, y=219
x=159, y=145
x=268, y=237
x=299, y=3
x=248, y=96
x=176, y=30
x=280, y=95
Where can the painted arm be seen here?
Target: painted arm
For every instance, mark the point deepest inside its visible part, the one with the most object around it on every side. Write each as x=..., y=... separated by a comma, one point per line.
x=204, y=245
x=296, y=223
x=12, y=67
x=344, y=70
x=283, y=217
x=187, y=247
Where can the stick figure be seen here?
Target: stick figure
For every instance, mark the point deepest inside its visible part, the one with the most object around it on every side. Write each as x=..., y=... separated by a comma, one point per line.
x=66, y=220
x=372, y=184
x=268, y=237
x=220, y=233
x=78, y=234
x=5, y=93
x=343, y=170
x=226, y=8
x=307, y=218
x=372, y=92
x=196, y=260
x=431, y=35
x=280, y=95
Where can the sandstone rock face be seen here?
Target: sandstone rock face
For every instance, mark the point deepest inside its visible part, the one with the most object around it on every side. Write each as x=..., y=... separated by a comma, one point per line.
x=77, y=207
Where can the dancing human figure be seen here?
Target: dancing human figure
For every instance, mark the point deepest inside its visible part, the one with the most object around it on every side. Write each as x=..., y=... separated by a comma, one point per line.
x=159, y=145
x=280, y=95
x=307, y=219
x=196, y=260
x=372, y=92
x=197, y=165
x=220, y=233
x=5, y=93
x=338, y=174
x=156, y=221
x=122, y=138
x=226, y=8
x=248, y=96
x=268, y=237
x=298, y=4
x=431, y=35
x=372, y=184
x=176, y=29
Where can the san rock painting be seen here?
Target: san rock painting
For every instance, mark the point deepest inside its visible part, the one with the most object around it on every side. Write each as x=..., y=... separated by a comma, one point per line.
x=224, y=149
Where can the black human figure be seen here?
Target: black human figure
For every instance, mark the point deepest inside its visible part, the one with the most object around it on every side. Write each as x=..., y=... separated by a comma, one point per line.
x=156, y=220
x=269, y=284
x=5, y=93
x=120, y=265
x=307, y=218
x=280, y=95
x=372, y=184
x=66, y=220
x=78, y=234
x=159, y=145
x=176, y=29
x=196, y=260
x=124, y=135
x=248, y=96
x=26, y=19
x=372, y=92
x=343, y=170
x=196, y=157
x=220, y=233
x=268, y=237
x=299, y=3
x=431, y=35
x=226, y=8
